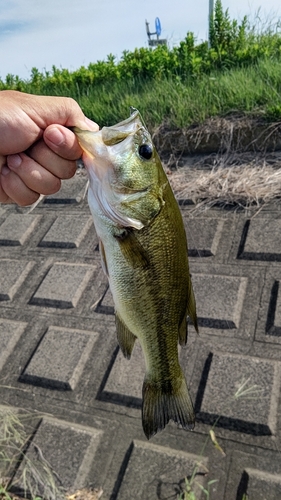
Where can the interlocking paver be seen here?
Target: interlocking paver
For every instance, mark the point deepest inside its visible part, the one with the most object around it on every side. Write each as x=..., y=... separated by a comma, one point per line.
x=67, y=231
x=17, y=228
x=10, y=332
x=208, y=235
x=63, y=285
x=261, y=240
x=220, y=299
x=241, y=391
x=162, y=471
x=59, y=358
x=63, y=447
x=12, y=275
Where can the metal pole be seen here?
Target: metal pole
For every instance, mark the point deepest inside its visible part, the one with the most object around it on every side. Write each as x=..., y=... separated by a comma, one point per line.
x=211, y=10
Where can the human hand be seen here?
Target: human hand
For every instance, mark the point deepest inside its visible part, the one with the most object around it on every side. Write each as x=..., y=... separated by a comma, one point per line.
x=36, y=148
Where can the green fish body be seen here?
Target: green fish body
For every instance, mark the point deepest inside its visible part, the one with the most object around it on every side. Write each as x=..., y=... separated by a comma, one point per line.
x=144, y=254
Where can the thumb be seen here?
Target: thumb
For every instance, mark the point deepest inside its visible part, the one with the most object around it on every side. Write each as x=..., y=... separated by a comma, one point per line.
x=63, y=141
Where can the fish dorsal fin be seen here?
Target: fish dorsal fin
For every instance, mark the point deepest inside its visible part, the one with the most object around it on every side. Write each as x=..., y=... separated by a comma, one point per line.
x=183, y=331
x=125, y=337
x=132, y=249
x=191, y=307
x=191, y=312
x=103, y=258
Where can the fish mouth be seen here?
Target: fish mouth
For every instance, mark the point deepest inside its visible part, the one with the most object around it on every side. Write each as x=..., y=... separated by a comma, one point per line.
x=109, y=136
x=117, y=133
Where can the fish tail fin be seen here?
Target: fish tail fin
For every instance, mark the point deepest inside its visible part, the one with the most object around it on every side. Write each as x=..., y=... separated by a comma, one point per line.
x=163, y=401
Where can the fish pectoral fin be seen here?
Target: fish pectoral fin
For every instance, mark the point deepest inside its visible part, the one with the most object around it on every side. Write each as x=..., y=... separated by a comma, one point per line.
x=164, y=402
x=132, y=249
x=125, y=337
x=103, y=258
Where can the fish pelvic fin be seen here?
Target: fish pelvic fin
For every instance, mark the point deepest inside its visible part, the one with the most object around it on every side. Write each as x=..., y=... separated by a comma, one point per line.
x=164, y=401
x=103, y=258
x=126, y=339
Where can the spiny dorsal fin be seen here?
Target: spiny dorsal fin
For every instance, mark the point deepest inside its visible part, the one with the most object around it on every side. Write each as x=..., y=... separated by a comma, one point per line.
x=125, y=337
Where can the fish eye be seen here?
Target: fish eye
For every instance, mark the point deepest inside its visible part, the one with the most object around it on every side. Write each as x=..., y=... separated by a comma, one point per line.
x=145, y=151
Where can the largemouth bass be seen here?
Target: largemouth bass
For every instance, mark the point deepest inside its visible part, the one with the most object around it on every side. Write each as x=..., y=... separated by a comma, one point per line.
x=143, y=250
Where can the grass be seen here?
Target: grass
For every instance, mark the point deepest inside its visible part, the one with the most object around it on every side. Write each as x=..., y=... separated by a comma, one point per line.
x=246, y=185
x=35, y=480
x=254, y=91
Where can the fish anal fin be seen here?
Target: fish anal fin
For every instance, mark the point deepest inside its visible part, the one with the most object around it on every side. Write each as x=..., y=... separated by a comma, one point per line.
x=125, y=337
x=103, y=258
x=132, y=249
x=165, y=402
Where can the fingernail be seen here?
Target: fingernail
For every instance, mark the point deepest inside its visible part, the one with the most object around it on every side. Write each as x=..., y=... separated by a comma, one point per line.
x=92, y=125
x=14, y=161
x=5, y=170
x=55, y=136
x=87, y=124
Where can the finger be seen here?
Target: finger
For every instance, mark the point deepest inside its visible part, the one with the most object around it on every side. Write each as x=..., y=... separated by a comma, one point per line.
x=62, y=168
x=33, y=175
x=24, y=117
x=4, y=198
x=15, y=188
x=63, y=142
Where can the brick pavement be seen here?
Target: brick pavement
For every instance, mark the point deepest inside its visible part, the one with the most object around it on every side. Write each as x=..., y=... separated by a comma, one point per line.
x=59, y=358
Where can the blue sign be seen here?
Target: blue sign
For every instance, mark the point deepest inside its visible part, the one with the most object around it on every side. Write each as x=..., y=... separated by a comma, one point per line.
x=158, y=26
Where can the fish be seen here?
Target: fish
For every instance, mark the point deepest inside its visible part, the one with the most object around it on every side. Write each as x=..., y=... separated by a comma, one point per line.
x=143, y=248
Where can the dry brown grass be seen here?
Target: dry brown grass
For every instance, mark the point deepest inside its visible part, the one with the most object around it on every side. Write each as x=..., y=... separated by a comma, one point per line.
x=245, y=185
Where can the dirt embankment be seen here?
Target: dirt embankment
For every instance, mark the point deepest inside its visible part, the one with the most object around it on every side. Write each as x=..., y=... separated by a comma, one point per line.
x=230, y=162
x=220, y=135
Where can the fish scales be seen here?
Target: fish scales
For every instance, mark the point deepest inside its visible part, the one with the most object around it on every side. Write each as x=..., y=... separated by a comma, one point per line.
x=144, y=254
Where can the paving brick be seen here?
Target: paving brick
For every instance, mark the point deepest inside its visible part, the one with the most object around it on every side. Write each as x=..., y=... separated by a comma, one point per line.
x=17, y=228
x=12, y=275
x=255, y=410
x=154, y=471
x=60, y=358
x=71, y=192
x=67, y=231
x=219, y=299
x=121, y=386
x=64, y=449
x=269, y=323
x=262, y=485
x=203, y=236
x=261, y=240
x=63, y=285
x=257, y=476
x=10, y=332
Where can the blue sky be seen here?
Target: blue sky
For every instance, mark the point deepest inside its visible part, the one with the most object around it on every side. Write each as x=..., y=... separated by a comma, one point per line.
x=68, y=34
